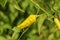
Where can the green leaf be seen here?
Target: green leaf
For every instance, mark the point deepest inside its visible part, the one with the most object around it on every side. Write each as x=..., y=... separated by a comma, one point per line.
x=8, y=37
x=33, y=37
x=4, y=27
x=11, y=8
x=2, y=38
x=49, y=23
x=14, y=3
x=13, y=16
x=31, y=9
x=40, y=20
x=3, y=17
x=3, y=2
x=25, y=4
x=57, y=34
x=51, y=36
x=56, y=5
x=16, y=33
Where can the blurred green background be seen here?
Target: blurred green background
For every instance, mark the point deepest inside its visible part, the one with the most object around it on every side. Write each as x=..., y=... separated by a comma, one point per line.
x=14, y=12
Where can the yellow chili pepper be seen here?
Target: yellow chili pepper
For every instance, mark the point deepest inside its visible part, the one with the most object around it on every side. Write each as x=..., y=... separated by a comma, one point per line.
x=29, y=21
x=57, y=22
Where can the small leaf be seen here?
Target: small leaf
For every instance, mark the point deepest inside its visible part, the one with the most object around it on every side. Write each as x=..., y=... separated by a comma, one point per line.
x=40, y=20
x=25, y=3
x=56, y=5
x=33, y=37
x=16, y=33
x=3, y=17
x=49, y=23
x=3, y=2
x=13, y=16
x=14, y=3
x=2, y=38
x=51, y=36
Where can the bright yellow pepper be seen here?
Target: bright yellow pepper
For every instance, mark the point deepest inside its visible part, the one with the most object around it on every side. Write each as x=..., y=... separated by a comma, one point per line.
x=57, y=22
x=29, y=21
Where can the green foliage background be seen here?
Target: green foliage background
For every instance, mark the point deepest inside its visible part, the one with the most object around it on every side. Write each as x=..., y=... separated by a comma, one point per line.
x=14, y=12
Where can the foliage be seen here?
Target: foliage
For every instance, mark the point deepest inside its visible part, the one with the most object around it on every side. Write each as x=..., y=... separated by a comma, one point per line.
x=14, y=12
